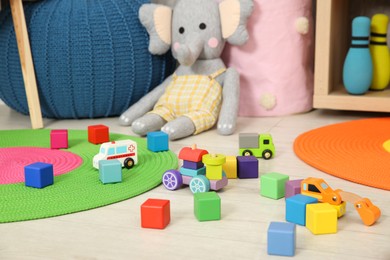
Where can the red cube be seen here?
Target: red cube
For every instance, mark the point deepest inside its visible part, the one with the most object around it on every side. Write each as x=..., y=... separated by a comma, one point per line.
x=98, y=134
x=155, y=213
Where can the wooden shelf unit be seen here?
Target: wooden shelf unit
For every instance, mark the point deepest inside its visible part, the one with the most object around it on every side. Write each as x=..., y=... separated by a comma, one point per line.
x=333, y=36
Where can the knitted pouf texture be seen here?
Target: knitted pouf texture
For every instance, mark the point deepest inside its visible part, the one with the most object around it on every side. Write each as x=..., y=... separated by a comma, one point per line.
x=91, y=58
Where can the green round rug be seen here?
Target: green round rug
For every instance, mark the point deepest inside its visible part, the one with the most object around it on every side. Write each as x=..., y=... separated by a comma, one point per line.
x=80, y=189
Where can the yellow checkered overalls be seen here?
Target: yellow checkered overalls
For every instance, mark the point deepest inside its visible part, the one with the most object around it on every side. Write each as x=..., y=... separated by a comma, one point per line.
x=198, y=97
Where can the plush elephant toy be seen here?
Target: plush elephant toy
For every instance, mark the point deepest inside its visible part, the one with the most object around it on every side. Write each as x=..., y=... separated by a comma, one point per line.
x=201, y=90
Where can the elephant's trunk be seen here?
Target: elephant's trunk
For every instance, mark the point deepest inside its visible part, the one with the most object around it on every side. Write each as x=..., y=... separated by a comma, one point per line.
x=189, y=52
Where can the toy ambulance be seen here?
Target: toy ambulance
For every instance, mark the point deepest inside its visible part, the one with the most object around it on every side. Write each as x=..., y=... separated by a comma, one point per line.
x=124, y=150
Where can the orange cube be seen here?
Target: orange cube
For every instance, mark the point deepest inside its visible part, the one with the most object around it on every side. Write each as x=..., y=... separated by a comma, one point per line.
x=155, y=213
x=98, y=134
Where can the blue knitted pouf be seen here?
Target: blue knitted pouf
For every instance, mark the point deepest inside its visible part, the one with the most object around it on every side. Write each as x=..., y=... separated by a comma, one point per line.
x=91, y=58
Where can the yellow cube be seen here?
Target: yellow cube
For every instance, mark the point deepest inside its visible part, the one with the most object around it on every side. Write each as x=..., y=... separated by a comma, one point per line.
x=230, y=167
x=321, y=218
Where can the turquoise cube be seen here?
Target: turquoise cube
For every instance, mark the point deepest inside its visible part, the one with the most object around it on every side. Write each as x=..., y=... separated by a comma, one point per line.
x=157, y=141
x=281, y=239
x=296, y=208
x=207, y=206
x=273, y=185
x=110, y=171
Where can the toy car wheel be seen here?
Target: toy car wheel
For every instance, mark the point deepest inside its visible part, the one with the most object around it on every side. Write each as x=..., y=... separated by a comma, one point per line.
x=247, y=153
x=267, y=154
x=199, y=184
x=172, y=180
x=129, y=163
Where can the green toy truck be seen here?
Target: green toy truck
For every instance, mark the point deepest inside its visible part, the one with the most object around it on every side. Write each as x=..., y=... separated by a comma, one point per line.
x=258, y=145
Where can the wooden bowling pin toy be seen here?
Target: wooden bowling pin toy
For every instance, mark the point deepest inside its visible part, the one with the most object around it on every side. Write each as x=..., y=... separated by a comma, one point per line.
x=380, y=52
x=358, y=67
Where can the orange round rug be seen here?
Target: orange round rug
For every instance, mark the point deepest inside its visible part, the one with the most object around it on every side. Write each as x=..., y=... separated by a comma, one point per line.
x=357, y=151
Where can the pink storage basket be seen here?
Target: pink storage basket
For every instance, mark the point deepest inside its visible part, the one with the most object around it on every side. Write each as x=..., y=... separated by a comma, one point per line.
x=276, y=64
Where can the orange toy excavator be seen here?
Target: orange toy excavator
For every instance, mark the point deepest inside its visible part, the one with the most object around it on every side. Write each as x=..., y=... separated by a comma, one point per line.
x=318, y=188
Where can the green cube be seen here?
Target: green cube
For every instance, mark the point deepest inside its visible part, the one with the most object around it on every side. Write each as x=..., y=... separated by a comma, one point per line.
x=272, y=185
x=207, y=206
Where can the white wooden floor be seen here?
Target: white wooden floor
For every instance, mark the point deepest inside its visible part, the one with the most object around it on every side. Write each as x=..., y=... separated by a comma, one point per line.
x=114, y=232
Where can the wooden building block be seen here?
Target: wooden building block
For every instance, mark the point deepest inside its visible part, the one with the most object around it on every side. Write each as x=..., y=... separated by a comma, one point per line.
x=39, y=175
x=281, y=239
x=321, y=218
x=155, y=213
x=157, y=141
x=247, y=167
x=296, y=208
x=59, y=139
x=230, y=167
x=272, y=185
x=207, y=206
x=192, y=165
x=293, y=187
x=214, y=164
x=341, y=209
x=191, y=172
x=98, y=134
x=110, y=171
x=192, y=154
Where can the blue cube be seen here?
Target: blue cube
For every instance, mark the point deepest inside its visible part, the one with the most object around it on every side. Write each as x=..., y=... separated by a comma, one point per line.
x=39, y=175
x=110, y=171
x=157, y=141
x=281, y=238
x=296, y=208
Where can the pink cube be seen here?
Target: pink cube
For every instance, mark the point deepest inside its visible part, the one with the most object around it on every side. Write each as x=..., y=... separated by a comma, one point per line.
x=292, y=188
x=59, y=139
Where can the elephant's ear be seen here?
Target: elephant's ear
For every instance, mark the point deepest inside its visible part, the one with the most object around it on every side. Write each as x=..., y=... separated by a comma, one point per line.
x=234, y=15
x=157, y=20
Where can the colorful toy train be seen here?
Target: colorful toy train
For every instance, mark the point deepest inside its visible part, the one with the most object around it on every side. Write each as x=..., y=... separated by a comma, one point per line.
x=201, y=171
